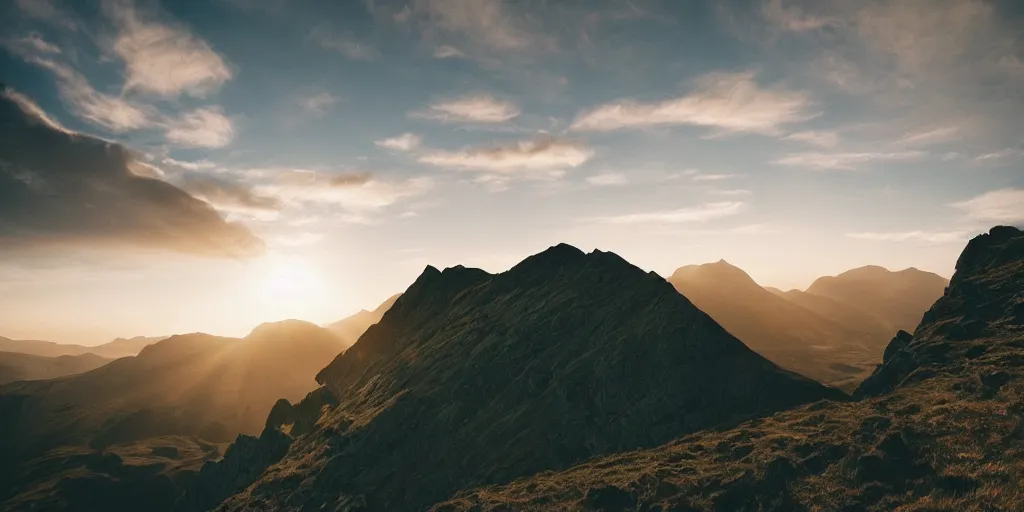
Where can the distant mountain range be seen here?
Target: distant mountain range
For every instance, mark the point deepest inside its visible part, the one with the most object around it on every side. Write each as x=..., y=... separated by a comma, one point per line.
x=15, y=366
x=834, y=332
x=120, y=347
x=187, y=385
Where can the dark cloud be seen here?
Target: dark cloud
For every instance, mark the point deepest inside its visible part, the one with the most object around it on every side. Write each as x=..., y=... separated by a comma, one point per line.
x=59, y=188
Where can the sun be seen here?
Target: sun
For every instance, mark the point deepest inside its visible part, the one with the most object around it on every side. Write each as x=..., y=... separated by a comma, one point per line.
x=289, y=285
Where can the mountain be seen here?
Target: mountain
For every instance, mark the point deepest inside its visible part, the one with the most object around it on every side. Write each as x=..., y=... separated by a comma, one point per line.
x=120, y=347
x=938, y=427
x=785, y=332
x=352, y=327
x=14, y=366
x=193, y=385
x=473, y=378
x=896, y=299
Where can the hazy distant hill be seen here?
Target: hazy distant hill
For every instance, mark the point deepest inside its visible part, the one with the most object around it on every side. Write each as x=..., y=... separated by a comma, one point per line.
x=783, y=331
x=896, y=299
x=939, y=427
x=15, y=366
x=191, y=385
x=352, y=327
x=120, y=347
x=473, y=378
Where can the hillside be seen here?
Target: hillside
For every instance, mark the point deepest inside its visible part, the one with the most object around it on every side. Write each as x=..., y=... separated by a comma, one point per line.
x=352, y=327
x=120, y=347
x=896, y=299
x=472, y=378
x=940, y=427
x=197, y=385
x=785, y=332
x=15, y=366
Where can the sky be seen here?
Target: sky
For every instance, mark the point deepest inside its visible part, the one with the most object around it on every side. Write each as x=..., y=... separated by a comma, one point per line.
x=208, y=166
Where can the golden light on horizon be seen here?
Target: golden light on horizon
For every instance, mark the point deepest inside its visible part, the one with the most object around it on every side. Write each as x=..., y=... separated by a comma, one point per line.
x=288, y=286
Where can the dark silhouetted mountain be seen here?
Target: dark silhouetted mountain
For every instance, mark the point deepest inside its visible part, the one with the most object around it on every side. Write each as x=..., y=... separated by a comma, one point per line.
x=473, y=378
x=352, y=327
x=940, y=427
x=120, y=347
x=788, y=334
x=894, y=299
x=187, y=385
x=14, y=366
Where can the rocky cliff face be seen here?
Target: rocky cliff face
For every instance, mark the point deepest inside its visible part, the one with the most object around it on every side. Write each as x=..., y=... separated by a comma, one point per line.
x=472, y=378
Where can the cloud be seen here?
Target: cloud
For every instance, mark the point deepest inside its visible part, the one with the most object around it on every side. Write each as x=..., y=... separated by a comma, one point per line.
x=1000, y=156
x=227, y=195
x=318, y=104
x=930, y=136
x=845, y=161
x=488, y=24
x=62, y=189
x=346, y=45
x=730, y=102
x=356, y=192
x=793, y=18
x=111, y=112
x=713, y=177
x=206, y=127
x=822, y=139
x=32, y=109
x=524, y=157
x=162, y=58
x=479, y=108
x=1005, y=205
x=446, y=51
x=701, y=213
x=31, y=44
x=298, y=239
x=935, y=237
x=46, y=11
x=190, y=166
x=608, y=179
x=403, y=142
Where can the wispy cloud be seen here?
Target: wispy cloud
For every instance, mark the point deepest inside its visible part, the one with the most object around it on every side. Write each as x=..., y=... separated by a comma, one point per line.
x=488, y=24
x=111, y=112
x=206, y=127
x=701, y=213
x=403, y=142
x=793, y=18
x=345, y=44
x=1001, y=156
x=188, y=165
x=45, y=10
x=713, y=177
x=446, y=51
x=164, y=58
x=1005, y=205
x=477, y=108
x=929, y=136
x=845, y=161
x=542, y=154
x=730, y=102
x=608, y=179
x=318, y=104
x=32, y=109
x=935, y=237
x=31, y=44
x=354, y=192
x=824, y=139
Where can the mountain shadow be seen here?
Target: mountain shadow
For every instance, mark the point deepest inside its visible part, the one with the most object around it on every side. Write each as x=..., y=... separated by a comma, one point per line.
x=473, y=378
x=939, y=427
x=785, y=332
